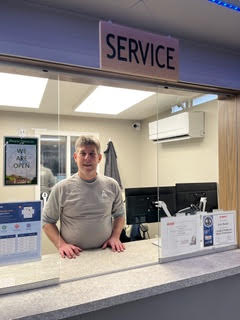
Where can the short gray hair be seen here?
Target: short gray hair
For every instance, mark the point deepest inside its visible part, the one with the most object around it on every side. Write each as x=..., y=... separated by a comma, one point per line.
x=88, y=140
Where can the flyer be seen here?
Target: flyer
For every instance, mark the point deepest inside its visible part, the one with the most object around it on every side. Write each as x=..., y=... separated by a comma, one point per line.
x=180, y=235
x=20, y=231
x=20, y=166
x=224, y=228
x=219, y=228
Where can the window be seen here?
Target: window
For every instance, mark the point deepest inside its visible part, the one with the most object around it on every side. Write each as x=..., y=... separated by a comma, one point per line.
x=194, y=102
x=179, y=107
x=56, y=158
x=203, y=99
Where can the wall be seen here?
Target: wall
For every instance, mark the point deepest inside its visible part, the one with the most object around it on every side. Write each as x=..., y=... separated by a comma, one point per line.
x=181, y=161
x=149, y=164
x=229, y=160
x=126, y=141
x=45, y=33
x=193, y=160
x=219, y=298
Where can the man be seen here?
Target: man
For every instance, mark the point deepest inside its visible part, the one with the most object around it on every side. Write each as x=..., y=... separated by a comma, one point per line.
x=85, y=203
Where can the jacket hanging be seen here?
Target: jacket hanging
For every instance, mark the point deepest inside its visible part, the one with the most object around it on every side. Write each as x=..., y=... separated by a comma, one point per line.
x=111, y=167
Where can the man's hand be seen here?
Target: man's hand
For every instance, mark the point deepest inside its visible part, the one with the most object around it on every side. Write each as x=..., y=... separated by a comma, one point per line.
x=115, y=244
x=69, y=250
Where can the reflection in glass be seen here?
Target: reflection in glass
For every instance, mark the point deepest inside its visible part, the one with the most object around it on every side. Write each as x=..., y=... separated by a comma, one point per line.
x=22, y=243
x=53, y=162
x=74, y=167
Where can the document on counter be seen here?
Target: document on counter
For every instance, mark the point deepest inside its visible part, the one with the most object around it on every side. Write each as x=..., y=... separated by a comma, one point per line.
x=180, y=235
x=224, y=230
x=20, y=231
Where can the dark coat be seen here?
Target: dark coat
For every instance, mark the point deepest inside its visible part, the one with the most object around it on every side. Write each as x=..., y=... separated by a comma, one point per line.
x=111, y=167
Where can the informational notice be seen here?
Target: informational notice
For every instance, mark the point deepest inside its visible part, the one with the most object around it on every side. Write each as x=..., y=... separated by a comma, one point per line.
x=219, y=228
x=20, y=231
x=20, y=161
x=180, y=235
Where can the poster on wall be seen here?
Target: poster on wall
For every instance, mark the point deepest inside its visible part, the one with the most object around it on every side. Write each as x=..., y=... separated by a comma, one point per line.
x=21, y=156
x=20, y=231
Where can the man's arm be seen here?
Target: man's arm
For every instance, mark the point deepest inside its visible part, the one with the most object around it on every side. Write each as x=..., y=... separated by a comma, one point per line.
x=65, y=249
x=114, y=241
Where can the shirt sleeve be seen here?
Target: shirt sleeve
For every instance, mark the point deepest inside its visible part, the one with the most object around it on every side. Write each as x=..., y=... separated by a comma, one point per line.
x=118, y=209
x=52, y=209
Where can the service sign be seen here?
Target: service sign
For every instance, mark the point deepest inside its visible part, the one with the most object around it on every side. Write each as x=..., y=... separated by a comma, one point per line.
x=132, y=51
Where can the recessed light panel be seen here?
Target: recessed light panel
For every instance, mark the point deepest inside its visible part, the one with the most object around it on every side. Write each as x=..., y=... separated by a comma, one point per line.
x=21, y=91
x=109, y=100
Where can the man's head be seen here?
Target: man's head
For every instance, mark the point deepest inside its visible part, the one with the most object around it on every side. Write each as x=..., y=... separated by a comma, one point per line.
x=87, y=156
x=88, y=140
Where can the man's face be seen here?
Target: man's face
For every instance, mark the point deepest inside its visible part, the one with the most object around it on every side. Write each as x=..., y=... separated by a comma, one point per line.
x=87, y=159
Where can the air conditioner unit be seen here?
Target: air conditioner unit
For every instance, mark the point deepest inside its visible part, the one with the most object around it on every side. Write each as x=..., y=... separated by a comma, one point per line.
x=181, y=126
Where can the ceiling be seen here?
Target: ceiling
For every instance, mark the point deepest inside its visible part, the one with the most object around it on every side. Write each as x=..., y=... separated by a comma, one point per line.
x=71, y=94
x=195, y=20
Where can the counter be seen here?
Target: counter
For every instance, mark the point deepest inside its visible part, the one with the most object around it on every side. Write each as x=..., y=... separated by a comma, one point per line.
x=88, y=298
x=52, y=269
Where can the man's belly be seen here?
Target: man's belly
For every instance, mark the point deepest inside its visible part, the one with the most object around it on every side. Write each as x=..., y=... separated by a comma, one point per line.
x=87, y=234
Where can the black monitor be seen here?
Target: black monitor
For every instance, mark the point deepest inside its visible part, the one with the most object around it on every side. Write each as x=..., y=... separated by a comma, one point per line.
x=140, y=203
x=188, y=194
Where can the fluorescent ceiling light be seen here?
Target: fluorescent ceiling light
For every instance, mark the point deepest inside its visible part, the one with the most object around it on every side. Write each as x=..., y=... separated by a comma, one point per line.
x=109, y=100
x=21, y=91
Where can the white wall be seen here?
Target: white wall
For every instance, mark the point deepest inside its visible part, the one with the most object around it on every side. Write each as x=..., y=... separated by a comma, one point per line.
x=126, y=141
x=138, y=157
x=194, y=160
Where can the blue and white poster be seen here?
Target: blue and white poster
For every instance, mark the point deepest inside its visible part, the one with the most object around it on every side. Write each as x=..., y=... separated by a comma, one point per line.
x=20, y=231
x=208, y=230
x=20, y=161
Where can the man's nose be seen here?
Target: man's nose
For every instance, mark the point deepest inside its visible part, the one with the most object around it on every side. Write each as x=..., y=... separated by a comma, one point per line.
x=87, y=156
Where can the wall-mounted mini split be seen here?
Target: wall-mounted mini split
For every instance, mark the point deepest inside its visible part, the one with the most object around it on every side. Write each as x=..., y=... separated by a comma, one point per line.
x=136, y=125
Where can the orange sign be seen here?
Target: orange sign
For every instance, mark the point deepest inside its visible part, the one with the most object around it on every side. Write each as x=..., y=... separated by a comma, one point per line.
x=132, y=51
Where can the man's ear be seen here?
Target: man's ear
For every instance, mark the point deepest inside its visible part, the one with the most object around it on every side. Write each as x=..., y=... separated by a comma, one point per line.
x=75, y=156
x=99, y=157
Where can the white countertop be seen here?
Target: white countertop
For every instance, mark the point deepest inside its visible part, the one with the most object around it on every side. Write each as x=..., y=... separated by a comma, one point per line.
x=90, y=294
x=22, y=276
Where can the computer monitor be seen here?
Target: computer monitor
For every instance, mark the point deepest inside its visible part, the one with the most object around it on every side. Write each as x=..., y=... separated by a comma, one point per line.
x=188, y=194
x=141, y=207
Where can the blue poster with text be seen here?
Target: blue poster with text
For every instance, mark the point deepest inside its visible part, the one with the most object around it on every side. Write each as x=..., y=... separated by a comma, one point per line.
x=20, y=231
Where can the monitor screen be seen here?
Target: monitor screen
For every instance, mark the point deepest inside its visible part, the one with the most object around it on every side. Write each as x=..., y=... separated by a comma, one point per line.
x=141, y=207
x=190, y=193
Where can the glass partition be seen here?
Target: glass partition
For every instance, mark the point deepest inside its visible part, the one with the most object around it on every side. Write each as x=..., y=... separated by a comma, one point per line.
x=28, y=106
x=85, y=210
x=187, y=162
x=125, y=130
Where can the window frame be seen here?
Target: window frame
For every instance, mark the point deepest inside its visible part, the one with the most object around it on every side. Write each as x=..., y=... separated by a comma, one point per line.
x=56, y=133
